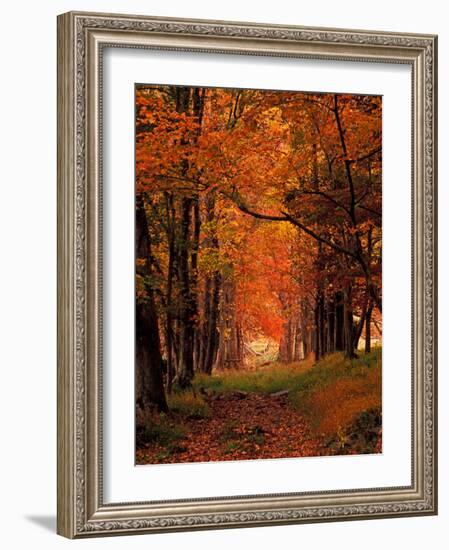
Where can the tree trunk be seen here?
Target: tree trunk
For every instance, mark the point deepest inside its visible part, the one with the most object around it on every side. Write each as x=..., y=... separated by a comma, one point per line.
x=187, y=310
x=230, y=351
x=191, y=102
x=205, y=315
x=194, y=278
x=209, y=334
x=169, y=340
x=349, y=323
x=331, y=325
x=322, y=322
x=149, y=380
x=317, y=331
x=339, y=322
x=368, y=328
x=286, y=345
x=211, y=347
x=299, y=349
x=307, y=330
x=358, y=328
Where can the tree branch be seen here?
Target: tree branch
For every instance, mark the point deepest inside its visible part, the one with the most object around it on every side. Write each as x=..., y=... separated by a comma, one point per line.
x=319, y=238
x=375, y=212
x=329, y=198
x=368, y=155
x=234, y=196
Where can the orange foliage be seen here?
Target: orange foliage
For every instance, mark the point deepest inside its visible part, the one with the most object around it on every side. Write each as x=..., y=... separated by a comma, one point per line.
x=337, y=405
x=277, y=153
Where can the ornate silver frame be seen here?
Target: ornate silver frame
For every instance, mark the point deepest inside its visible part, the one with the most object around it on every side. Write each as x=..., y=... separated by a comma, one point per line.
x=81, y=511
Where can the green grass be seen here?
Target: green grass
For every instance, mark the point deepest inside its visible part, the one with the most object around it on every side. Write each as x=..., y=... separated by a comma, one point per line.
x=272, y=379
x=295, y=377
x=167, y=430
x=232, y=446
x=329, y=393
x=188, y=405
x=163, y=431
x=331, y=369
x=234, y=439
x=230, y=431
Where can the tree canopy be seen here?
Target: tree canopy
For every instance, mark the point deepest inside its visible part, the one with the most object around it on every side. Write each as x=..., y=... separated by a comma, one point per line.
x=257, y=213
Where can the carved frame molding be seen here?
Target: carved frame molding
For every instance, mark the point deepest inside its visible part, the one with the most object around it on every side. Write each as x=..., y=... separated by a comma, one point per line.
x=81, y=39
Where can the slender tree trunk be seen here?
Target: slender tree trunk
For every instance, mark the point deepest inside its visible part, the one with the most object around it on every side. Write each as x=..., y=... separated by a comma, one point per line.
x=205, y=309
x=149, y=380
x=368, y=328
x=322, y=322
x=169, y=339
x=286, y=345
x=230, y=350
x=331, y=325
x=320, y=325
x=194, y=278
x=212, y=341
x=319, y=261
x=299, y=350
x=191, y=102
x=358, y=328
x=210, y=334
x=339, y=322
x=348, y=323
x=212, y=326
x=317, y=331
x=370, y=302
x=307, y=328
x=187, y=310
x=198, y=96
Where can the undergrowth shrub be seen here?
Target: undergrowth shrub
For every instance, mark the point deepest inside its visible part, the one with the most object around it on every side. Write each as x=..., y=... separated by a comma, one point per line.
x=188, y=405
x=337, y=390
x=362, y=436
x=270, y=379
x=330, y=393
x=336, y=405
x=152, y=427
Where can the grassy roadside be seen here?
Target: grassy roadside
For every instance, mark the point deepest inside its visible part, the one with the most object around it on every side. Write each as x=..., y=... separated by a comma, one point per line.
x=331, y=393
x=340, y=400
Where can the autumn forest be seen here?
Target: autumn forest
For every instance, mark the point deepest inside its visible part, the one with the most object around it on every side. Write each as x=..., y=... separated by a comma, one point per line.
x=258, y=274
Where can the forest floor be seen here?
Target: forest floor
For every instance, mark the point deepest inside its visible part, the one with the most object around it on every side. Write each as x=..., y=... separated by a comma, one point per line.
x=298, y=410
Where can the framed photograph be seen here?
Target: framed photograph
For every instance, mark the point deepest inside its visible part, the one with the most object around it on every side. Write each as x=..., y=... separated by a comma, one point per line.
x=246, y=274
